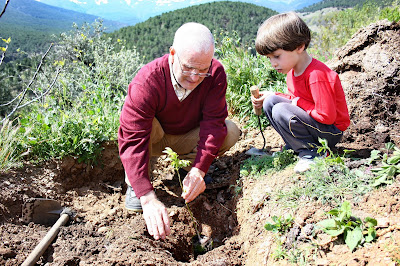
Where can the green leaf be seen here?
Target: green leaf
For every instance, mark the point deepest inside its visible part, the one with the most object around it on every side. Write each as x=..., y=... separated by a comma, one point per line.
x=370, y=222
x=374, y=156
x=353, y=238
x=328, y=223
x=345, y=211
x=371, y=236
x=270, y=227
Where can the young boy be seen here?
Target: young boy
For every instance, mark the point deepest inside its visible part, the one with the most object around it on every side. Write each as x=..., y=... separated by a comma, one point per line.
x=315, y=105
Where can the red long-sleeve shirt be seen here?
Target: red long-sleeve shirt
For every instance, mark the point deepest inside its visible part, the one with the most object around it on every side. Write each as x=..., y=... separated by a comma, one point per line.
x=320, y=94
x=151, y=94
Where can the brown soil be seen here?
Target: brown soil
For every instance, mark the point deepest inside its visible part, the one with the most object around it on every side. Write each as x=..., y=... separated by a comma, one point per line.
x=104, y=233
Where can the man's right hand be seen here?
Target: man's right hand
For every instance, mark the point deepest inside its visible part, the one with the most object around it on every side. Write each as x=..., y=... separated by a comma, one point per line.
x=156, y=216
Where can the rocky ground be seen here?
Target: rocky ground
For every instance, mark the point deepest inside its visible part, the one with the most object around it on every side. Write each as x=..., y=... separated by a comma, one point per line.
x=234, y=209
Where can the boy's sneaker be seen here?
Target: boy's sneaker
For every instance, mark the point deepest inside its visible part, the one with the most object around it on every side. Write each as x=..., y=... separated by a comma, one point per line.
x=132, y=202
x=304, y=164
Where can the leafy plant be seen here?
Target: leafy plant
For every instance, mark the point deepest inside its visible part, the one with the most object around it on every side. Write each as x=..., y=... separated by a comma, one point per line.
x=257, y=166
x=331, y=158
x=390, y=165
x=280, y=225
x=353, y=230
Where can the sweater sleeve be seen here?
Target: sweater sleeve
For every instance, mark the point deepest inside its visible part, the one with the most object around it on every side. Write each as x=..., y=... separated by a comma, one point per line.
x=212, y=127
x=134, y=136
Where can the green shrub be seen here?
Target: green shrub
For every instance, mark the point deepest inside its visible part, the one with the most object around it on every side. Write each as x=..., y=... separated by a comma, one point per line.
x=83, y=106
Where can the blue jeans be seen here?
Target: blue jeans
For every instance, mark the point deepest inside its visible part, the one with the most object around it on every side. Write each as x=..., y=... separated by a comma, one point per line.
x=297, y=128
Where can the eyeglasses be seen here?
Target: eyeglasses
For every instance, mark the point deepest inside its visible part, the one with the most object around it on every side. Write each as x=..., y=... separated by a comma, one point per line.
x=191, y=73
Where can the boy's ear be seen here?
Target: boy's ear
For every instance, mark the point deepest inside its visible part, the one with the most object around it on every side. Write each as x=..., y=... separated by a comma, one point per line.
x=301, y=48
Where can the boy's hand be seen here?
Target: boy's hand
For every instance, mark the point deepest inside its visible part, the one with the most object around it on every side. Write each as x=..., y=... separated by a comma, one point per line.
x=193, y=184
x=258, y=102
x=295, y=100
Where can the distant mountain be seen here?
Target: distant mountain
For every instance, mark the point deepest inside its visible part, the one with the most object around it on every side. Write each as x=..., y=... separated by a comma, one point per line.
x=153, y=37
x=134, y=11
x=30, y=25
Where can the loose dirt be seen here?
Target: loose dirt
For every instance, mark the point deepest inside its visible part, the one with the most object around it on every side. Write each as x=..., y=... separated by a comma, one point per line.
x=233, y=210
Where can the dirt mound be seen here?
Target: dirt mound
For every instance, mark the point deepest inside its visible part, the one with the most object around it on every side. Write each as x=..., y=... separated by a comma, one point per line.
x=369, y=68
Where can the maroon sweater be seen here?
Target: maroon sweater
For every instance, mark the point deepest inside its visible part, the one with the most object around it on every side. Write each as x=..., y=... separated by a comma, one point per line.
x=151, y=94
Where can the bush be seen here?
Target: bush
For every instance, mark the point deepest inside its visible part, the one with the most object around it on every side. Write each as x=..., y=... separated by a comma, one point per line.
x=83, y=106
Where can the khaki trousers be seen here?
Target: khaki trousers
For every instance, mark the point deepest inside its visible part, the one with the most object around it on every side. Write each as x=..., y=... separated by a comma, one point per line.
x=186, y=145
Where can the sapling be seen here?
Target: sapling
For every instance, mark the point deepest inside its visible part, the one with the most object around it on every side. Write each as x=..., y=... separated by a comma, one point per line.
x=176, y=163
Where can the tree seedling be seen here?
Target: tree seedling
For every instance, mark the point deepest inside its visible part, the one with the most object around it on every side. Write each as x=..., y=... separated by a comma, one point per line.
x=354, y=231
x=200, y=244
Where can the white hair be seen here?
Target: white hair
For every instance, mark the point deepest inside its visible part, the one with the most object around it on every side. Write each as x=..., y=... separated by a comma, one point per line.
x=195, y=37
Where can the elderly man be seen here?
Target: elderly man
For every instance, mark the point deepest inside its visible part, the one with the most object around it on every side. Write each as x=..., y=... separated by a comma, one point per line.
x=175, y=101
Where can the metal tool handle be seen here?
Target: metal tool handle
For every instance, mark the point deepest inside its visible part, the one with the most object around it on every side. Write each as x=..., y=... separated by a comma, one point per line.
x=41, y=248
x=256, y=93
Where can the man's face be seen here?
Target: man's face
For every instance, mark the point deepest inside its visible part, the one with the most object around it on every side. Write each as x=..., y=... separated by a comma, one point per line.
x=185, y=63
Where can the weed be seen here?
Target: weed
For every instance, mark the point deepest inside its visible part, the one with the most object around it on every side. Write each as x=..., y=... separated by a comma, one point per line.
x=390, y=165
x=280, y=225
x=257, y=166
x=353, y=230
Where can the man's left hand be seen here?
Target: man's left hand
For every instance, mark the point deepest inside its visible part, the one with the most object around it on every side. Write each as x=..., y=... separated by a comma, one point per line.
x=193, y=184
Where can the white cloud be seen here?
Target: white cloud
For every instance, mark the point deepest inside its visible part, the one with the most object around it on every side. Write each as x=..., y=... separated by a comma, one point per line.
x=167, y=2
x=78, y=2
x=99, y=2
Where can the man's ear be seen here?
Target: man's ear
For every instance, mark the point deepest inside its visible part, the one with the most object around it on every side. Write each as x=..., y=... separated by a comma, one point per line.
x=172, y=52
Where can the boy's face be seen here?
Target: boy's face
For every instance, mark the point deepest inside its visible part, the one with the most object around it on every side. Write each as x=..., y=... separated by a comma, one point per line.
x=283, y=61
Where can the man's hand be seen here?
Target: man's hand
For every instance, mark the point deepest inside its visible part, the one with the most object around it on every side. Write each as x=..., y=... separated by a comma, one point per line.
x=193, y=184
x=156, y=216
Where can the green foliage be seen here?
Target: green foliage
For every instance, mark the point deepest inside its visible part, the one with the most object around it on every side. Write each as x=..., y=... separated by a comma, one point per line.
x=153, y=37
x=257, y=166
x=329, y=180
x=390, y=165
x=243, y=71
x=83, y=105
x=340, y=4
x=8, y=140
x=280, y=225
x=176, y=162
x=353, y=230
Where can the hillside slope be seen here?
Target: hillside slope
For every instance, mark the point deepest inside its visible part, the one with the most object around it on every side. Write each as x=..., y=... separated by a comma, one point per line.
x=154, y=36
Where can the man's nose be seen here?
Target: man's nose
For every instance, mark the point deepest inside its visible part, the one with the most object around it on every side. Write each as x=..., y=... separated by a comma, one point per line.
x=194, y=77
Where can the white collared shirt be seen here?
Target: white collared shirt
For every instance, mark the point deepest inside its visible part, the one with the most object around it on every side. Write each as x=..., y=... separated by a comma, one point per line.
x=181, y=92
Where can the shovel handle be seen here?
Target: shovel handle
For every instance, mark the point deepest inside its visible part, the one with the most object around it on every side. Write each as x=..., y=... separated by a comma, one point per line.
x=256, y=93
x=45, y=242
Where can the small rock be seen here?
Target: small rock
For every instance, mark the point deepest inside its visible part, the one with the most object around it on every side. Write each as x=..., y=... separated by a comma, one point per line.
x=220, y=198
x=207, y=206
x=102, y=230
x=383, y=222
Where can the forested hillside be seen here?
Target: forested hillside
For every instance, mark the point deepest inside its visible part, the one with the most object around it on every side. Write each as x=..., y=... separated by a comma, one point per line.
x=153, y=37
x=342, y=4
